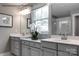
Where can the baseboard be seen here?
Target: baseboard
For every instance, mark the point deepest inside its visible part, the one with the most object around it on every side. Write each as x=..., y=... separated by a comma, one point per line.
x=5, y=54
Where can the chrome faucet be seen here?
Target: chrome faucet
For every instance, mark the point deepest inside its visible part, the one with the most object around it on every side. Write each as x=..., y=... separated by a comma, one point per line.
x=64, y=37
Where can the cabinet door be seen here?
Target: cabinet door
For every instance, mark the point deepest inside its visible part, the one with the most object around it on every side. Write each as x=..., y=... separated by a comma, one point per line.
x=17, y=44
x=15, y=47
x=25, y=50
x=49, y=45
x=16, y=51
x=12, y=46
x=68, y=48
x=65, y=54
x=48, y=52
x=35, y=52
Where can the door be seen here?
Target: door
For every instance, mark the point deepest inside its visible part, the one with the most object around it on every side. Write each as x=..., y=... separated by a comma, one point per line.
x=48, y=52
x=35, y=52
x=25, y=50
x=12, y=46
x=15, y=47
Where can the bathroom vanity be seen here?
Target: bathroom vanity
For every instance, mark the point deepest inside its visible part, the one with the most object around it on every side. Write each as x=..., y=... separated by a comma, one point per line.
x=15, y=45
x=30, y=47
x=24, y=46
x=61, y=47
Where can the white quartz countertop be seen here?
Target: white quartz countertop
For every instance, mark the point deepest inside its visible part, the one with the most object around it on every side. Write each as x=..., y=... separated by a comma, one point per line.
x=72, y=41
x=68, y=41
x=55, y=40
x=29, y=39
x=19, y=35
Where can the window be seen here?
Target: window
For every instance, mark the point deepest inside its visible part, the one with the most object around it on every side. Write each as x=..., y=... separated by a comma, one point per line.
x=40, y=19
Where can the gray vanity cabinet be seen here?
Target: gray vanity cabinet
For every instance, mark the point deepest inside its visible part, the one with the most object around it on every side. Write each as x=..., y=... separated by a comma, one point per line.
x=48, y=49
x=48, y=52
x=30, y=48
x=60, y=53
x=25, y=48
x=67, y=50
x=58, y=49
x=35, y=48
x=15, y=45
x=44, y=48
x=35, y=52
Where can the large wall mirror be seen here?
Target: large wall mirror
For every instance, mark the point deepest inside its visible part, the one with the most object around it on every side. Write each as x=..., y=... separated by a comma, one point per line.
x=40, y=19
x=38, y=16
x=24, y=24
x=54, y=19
x=64, y=19
x=62, y=26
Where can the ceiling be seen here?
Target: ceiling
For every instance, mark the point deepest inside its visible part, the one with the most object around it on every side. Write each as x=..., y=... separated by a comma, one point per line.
x=58, y=9
x=17, y=4
x=64, y=9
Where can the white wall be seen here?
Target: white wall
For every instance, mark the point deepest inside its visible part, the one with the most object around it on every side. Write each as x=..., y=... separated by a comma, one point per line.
x=4, y=32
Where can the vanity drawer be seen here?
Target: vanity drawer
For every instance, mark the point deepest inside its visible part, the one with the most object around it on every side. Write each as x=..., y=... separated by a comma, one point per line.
x=48, y=52
x=15, y=38
x=16, y=52
x=35, y=44
x=49, y=45
x=38, y=45
x=25, y=42
x=15, y=44
x=67, y=48
x=65, y=54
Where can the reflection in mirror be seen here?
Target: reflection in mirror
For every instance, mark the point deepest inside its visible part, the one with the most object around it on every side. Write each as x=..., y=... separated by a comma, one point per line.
x=40, y=19
x=77, y=25
x=53, y=19
x=39, y=16
x=61, y=19
x=23, y=25
x=62, y=26
x=24, y=16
